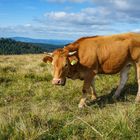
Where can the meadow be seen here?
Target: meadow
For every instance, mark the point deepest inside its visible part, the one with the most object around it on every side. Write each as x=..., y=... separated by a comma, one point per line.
x=31, y=108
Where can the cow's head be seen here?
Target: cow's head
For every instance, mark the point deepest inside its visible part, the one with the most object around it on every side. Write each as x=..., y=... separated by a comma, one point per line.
x=62, y=61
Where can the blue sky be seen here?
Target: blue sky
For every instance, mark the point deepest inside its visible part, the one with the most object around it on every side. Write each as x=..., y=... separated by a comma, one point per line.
x=68, y=19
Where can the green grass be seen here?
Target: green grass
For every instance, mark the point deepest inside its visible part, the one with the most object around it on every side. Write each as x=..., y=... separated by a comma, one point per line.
x=31, y=108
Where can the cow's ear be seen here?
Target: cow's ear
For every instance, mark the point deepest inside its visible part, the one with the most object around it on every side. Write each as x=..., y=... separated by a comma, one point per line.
x=73, y=60
x=47, y=59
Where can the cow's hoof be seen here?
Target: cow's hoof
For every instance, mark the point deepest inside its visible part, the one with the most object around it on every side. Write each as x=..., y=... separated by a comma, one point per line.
x=93, y=98
x=115, y=97
x=137, y=100
x=81, y=105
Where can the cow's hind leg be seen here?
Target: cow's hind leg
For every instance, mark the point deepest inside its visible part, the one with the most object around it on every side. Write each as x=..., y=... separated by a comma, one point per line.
x=138, y=79
x=123, y=79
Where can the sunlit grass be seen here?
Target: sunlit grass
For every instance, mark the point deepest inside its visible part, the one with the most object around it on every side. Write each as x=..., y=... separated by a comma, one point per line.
x=32, y=108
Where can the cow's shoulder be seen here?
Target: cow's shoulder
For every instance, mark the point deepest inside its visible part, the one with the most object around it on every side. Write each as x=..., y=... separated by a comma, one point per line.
x=85, y=38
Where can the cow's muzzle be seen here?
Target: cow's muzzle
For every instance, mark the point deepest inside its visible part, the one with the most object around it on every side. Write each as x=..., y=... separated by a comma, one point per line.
x=59, y=81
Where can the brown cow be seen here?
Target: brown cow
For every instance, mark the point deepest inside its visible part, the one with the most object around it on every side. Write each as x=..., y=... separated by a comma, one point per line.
x=98, y=55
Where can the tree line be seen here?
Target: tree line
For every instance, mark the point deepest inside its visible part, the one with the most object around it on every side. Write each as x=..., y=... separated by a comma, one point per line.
x=10, y=46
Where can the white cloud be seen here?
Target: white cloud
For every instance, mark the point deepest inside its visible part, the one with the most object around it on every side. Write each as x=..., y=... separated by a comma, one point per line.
x=87, y=16
x=28, y=25
x=110, y=10
x=112, y=16
x=137, y=30
x=107, y=17
x=122, y=4
x=55, y=15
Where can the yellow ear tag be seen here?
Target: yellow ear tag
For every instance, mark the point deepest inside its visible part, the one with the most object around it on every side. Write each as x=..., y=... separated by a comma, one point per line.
x=73, y=62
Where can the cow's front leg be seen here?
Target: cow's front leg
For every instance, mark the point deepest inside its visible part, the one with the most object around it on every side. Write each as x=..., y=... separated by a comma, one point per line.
x=86, y=89
x=85, y=92
x=83, y=100
x=93, y=92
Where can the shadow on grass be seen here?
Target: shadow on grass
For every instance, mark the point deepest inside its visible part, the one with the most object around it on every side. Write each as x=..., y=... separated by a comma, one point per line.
x=129, y=89
x=6, y=80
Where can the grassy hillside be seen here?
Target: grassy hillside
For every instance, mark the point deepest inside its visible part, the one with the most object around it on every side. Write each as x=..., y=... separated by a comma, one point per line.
x=32, y=108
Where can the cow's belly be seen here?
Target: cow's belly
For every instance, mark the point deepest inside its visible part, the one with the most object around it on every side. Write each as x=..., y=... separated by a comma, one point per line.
x=112, y=68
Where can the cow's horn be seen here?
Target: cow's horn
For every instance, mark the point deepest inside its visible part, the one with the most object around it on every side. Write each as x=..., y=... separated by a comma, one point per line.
x=49, y=54
x=72, y=53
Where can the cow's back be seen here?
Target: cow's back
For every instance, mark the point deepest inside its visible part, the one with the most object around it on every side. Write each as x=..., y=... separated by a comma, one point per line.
x=106, y=54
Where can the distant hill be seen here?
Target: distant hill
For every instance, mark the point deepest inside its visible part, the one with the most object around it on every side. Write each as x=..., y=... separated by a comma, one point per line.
x=9, y=46
x=48, y=47
x=44, y=41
